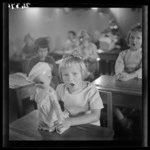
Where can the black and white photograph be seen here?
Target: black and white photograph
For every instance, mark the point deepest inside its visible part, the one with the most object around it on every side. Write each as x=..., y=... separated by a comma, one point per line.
x=76, y=75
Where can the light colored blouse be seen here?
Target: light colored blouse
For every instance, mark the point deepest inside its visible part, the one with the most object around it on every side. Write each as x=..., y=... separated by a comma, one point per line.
x=70, y=45
x=88, y=98
x=129, y=61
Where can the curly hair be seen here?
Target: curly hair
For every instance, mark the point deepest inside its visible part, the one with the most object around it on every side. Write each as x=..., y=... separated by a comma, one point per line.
x=135, y=28
x=42, y=42
x=83, y=35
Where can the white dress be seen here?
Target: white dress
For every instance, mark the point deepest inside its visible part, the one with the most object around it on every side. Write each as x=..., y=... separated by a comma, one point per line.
x=49, y=108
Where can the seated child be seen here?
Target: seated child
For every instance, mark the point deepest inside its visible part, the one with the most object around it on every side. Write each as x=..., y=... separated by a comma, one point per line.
x=42, y=56
x=88, y=51
x=46, y=99
x=129, y=65
x=129, y=62
x=81, y=98
x=71, y=41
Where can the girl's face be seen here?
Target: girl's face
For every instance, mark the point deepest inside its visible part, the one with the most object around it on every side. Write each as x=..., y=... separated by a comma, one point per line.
x=45, y=78
x=70, y=36
x=42, y=52
x=84, y=42
x=135, y=40
x=72, y=77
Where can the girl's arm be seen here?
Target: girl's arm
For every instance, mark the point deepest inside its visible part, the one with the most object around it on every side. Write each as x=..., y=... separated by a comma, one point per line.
x=138, y=73
x=86, y=118
x=119, y=65
x=94, y=54
x=83, y=119
x=135, y=74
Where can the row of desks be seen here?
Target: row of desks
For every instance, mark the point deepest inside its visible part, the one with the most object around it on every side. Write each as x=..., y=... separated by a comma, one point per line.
x=25, y=128
x=103, y=55
x=106, y=59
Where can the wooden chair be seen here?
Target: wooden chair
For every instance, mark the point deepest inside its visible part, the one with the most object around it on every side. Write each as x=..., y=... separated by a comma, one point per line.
x=104, y=133
x=107, y=99
x=108, y=130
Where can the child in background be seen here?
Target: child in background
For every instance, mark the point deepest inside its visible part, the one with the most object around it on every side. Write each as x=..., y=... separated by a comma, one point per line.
x=46, y=98
x=42, y=56
x=129, y=62
x=88, y=51
x=81, y=98
x=129, y=65
x=28, y=49
x=71, y=42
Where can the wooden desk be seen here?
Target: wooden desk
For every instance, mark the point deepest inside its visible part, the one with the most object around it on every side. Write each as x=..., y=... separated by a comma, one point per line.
x=26, y=128
x=130, y=88
x=107, y=60
x=23, y=90
x=108, y=55
x=22, y=93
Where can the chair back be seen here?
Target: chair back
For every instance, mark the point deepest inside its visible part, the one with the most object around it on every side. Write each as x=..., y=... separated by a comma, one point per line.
x=107, y=99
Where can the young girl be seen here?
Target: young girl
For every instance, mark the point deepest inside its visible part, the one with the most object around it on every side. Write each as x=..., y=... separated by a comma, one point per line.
x=45, y=97
x=129, y=62
x=71, y=42
x=129, y=65
x=81, y=98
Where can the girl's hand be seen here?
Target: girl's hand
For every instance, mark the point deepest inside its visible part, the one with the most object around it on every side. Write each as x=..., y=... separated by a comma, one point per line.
x=125, y=77
x=64, y=124
x=122, y=76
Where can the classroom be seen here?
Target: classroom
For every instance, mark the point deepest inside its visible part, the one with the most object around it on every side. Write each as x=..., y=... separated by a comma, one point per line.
x=76, y=74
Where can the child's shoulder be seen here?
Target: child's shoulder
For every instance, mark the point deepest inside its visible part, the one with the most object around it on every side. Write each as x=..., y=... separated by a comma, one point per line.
x=49, y=57
x=91, y=86
x=61, y=86
x=124, y=52
x=33, y=58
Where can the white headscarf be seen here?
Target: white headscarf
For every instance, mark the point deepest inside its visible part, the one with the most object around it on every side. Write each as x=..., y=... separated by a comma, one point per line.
x=41, y=67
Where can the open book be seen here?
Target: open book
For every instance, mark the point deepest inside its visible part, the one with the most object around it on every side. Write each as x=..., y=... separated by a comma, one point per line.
x=17, y=80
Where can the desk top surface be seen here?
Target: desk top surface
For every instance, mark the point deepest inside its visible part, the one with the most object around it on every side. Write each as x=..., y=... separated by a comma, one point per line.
x=114, y=51
x=109, y=83
x=26, y=128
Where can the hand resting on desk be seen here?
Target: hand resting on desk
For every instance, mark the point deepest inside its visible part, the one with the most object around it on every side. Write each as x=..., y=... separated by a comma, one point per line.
x=125, y=76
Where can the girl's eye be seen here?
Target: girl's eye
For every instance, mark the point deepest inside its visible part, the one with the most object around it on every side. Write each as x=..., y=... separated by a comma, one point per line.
x=40, y=82
x=65, y=75
x=74, y=73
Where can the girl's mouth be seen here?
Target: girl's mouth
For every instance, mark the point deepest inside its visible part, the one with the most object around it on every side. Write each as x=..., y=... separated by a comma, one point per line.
x=72, y=84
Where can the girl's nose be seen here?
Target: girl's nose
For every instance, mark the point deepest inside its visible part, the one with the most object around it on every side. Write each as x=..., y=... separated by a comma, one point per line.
x=70, y=77
x=134, y=39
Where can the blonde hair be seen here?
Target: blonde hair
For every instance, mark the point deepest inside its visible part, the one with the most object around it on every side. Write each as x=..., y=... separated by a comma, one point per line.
x=73, y=60
x=136, y=28
x=84, y=35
